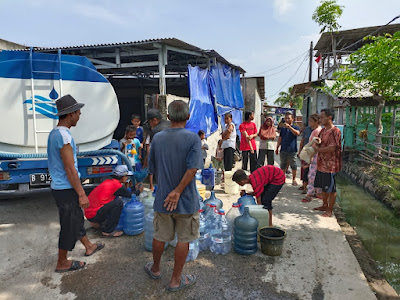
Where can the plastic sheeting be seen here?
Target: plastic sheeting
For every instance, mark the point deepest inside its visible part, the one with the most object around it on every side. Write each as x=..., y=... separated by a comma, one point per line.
x=228, y=91
x=202, y=105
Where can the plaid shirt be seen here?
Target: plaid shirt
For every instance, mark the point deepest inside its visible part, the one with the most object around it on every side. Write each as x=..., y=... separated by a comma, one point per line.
x=264, y=176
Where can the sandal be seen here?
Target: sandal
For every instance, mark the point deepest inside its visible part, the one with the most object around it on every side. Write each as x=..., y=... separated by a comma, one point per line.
x=98, y=248
x=147, y=268
x=115, y=233
x=191, y=280
x=76, y=265
x=301, y=188
x=306, y=199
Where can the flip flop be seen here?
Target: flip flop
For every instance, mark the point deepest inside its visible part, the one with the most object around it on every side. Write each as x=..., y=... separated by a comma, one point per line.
x=306, y=199
x=183, y=285
x=112, y=234
x=147, y=267
x=295, y=183
x=301, y=188
x=98, y=248
x=76, y=265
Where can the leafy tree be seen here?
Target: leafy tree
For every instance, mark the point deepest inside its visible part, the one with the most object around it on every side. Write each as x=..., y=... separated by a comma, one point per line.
x=327, y=15
x=286, y=99
x=374, y=67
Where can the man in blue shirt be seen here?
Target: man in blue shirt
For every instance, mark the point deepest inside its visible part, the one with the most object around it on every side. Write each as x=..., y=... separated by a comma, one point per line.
x=66, y=186
x=175, y=156
x=288, y=143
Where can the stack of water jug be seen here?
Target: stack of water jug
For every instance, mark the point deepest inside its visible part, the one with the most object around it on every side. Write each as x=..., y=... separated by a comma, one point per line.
x=217, y=231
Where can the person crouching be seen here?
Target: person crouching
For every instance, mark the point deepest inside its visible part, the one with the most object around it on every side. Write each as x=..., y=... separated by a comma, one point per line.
x=105, y=204
x=266, y=181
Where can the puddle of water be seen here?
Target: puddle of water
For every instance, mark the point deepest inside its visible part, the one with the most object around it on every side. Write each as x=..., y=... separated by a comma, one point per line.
x=377, y=226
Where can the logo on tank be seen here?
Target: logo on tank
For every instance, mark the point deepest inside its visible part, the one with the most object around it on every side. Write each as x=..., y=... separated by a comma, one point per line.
x=44, y=106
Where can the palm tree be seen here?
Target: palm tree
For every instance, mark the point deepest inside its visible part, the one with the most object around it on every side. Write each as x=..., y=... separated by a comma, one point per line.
x=286, y=99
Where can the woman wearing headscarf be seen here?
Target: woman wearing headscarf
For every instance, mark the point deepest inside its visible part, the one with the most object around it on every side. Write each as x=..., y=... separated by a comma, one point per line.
x=267, y=135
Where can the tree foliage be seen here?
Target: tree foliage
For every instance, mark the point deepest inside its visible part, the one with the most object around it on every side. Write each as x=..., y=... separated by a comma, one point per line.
x=286, y=99
x=327, y=15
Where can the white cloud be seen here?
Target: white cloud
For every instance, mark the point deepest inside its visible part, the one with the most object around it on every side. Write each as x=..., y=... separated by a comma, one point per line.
x=281, y=7
x=99, y=12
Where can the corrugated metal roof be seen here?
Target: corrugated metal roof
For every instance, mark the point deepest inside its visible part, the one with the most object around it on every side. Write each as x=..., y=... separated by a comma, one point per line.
x=362, y=93
x=345, y=38
x=148, y=44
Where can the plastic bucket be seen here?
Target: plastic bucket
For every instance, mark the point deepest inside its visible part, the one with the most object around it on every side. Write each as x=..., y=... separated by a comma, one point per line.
x=271, y=240
x=231, y=187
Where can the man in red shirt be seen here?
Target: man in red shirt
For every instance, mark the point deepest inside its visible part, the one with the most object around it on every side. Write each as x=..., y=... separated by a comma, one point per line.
x=329, y=160
x=105, y=205
x=248, y=131
x=266, y=181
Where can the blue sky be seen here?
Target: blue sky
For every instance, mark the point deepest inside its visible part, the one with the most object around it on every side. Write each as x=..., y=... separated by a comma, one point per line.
x=258, y=35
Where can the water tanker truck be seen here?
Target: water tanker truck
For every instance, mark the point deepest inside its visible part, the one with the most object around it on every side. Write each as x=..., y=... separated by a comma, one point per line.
x=30, y=83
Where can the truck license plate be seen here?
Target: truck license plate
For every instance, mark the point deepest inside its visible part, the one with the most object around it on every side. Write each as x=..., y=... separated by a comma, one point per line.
x=40, y=178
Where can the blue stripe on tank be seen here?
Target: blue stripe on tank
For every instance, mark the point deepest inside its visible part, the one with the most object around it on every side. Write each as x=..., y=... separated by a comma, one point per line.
x=16, y=64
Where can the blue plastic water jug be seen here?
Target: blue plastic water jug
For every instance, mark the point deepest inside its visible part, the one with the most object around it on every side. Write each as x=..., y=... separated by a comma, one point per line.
x=193, y=250
x=245, y=200
x=149, y=232
x=208, y=177
x=218, y=203
x=133, y=217
x=245, y=234
x=120, y=225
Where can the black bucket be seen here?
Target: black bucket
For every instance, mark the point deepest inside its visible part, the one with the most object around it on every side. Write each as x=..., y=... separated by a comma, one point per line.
x=271, y=240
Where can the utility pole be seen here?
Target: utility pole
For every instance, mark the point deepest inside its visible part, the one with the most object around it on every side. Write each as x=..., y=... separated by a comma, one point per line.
x=309, y=79
x=311, y=57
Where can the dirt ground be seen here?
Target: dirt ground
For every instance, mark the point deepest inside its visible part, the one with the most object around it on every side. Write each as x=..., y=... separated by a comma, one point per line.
x=317, y=261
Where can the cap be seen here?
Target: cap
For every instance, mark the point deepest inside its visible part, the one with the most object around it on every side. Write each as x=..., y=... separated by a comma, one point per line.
x=122, y=170
x=153, y=113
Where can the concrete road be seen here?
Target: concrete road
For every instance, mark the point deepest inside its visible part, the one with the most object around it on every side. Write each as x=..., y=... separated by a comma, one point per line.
x=317, y=262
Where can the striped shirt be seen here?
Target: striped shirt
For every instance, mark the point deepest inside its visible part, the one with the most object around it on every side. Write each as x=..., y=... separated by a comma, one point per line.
x=266, y=175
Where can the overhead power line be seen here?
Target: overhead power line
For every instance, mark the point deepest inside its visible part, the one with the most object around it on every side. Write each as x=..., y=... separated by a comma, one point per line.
x=282, y=65
x=305, y=58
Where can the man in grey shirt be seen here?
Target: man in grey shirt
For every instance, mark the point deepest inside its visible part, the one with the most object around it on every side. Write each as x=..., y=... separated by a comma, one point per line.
x=175, y=156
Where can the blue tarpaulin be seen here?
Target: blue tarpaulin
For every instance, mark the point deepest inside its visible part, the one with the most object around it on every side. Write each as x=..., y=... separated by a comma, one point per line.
x=201, y=106
x=228, y=91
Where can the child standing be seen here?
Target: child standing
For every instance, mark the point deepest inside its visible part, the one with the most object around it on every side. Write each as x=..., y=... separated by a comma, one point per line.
x=131, y=147
x=218, y=159
x=204, y=146
x=135, y=120
x=266, y=181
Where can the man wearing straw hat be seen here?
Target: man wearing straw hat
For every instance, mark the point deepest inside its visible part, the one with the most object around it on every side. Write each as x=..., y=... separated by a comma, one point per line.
x=66, y=186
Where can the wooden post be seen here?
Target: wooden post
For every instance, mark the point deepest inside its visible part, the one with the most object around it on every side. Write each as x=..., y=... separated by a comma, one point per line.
x=392, y=131
x=353, y=116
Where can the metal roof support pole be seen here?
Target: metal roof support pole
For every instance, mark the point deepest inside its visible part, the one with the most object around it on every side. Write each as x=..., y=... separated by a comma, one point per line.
x=162, y=62
x=118, y=57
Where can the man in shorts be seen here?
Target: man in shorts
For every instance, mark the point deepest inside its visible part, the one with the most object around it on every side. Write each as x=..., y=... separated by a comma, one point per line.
x=288, y=143
x=175, y=156
x=329, y=160
x=266, y=181
x=66, y=186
